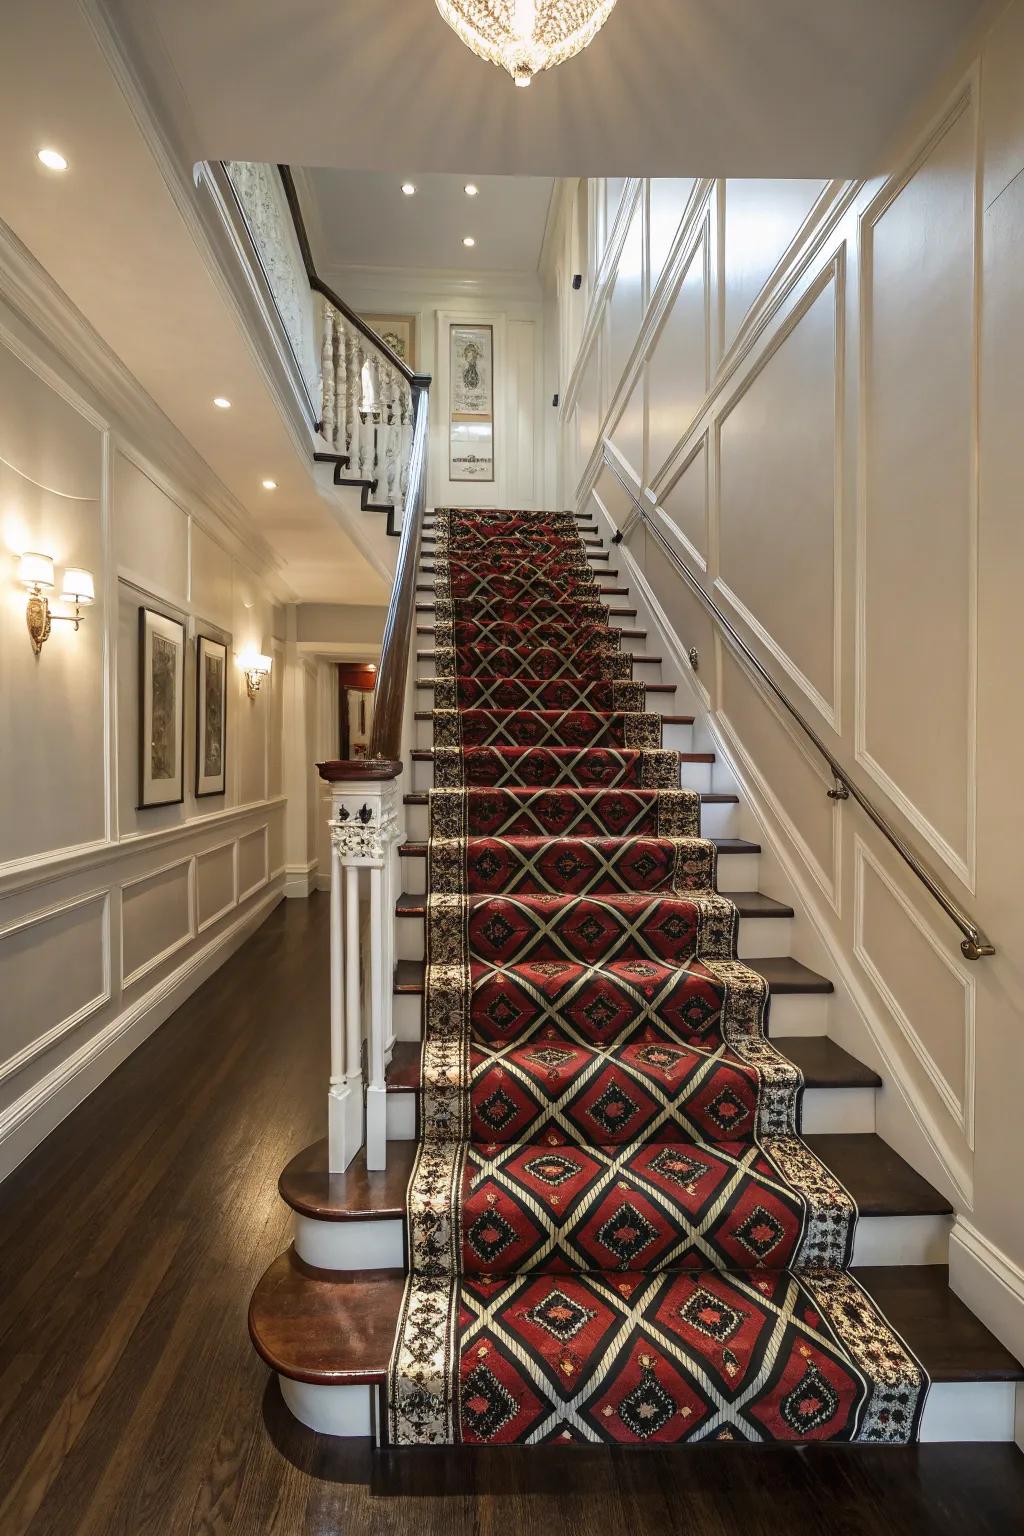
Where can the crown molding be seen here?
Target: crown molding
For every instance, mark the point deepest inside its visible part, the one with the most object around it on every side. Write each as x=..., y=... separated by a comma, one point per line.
x=439, y=282
x=46, y=309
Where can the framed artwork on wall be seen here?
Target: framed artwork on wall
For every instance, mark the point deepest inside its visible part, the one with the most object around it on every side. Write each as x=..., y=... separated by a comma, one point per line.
x=398, y=332
x=471, y=402
x=211, y=716
x=161, y=710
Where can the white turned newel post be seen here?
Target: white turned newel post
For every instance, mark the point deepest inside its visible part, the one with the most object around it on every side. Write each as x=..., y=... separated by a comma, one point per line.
x=364, y=828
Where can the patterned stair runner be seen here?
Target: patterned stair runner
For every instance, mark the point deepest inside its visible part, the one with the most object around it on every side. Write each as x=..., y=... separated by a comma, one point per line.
x=616, y=1232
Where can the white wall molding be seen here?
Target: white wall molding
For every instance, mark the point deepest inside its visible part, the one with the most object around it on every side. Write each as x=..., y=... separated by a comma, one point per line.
x=19, y=1060
x=990, y=1283
x=961, y=863
x=948, y=1155
x=190, y=929
x=960, y=1108
x=25, y=874
x=25, y=1122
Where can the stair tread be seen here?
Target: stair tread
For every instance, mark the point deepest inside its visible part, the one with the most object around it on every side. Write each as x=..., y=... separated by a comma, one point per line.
x=427, y=714
x=880, y=1181
x=633, y=656
x=725, y=845
x=627, y=634
x=419, y=797
x=782, y=973
x=753, y=904
x=333, y=1328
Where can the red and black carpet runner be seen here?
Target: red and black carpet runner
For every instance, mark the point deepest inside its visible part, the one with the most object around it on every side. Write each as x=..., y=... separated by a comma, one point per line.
x=615, y=1230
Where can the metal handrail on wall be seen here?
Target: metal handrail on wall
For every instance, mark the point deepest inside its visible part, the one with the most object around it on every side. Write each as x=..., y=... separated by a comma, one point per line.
x=975, y=944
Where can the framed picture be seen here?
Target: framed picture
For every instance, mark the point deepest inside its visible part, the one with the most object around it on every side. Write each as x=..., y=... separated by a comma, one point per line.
x=161, y=710
x=399, y=333
x=471, y=392
x=211, y=716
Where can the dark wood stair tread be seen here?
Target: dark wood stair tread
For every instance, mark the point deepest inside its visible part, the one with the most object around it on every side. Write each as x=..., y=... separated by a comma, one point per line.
x=419, y=797
x=725, y=845
x=753, y=904
x=879, y=1179
x=336, y=1329
x=429, y=682
x=782, y=973
x=326, y=1327
x=308, y=1186
x=636, y=656
x=428, y=714
x=615, y=613
x=627, y=634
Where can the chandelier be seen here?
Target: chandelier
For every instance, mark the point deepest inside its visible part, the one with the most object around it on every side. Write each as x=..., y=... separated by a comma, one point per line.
x=526, y=36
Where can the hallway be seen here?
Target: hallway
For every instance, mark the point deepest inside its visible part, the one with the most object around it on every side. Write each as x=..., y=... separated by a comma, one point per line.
x=131, y=1401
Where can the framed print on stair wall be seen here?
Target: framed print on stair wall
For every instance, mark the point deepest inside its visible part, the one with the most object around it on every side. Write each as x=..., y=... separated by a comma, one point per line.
x=398, y=332
x=161, y=710
x=471, y=407
x=211, y=716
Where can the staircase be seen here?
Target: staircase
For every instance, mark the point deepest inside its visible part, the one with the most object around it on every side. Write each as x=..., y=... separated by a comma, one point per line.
x=325, y=1314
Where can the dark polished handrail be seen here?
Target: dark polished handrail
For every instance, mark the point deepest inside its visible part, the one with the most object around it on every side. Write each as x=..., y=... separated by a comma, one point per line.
x=316, y=282
x=975, y=945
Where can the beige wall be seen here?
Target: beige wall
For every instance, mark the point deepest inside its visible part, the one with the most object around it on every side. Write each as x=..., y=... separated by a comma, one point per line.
x=109, y=914
x=819, y=386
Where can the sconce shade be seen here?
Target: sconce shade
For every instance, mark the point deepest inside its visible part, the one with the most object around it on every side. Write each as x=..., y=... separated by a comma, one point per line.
x=78, y=586
x=251, y=661
x=36, y=571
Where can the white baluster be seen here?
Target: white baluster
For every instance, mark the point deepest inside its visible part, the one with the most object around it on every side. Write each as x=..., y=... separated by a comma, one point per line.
x=364, y=828
x=328, y=382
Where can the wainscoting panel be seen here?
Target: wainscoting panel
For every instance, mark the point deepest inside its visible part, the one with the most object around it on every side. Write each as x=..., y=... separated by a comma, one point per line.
x=779, y=500
x=625, y=301
x=679, y=362
x=684, y=503
x=150, y=533
x=210, y=578
x=54, y=975
x=929, y=994
x=253, y=863
x=917, y=516
x=628, y=434
x=216, y=884
x=787, y=774
x=522, y=414
x=157, y=919
x=668, y=199
x=762, y=217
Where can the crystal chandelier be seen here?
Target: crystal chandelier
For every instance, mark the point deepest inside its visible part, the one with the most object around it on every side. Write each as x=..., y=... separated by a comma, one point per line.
x=526, y=36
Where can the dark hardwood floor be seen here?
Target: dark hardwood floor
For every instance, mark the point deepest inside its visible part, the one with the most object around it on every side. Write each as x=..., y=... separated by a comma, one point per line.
x=131, y=1401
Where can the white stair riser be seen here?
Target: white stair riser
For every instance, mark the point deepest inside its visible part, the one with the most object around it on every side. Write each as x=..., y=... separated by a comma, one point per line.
x=676, y=738
x=357, y=1245
x=736, y=872
x=758, y=936
x=976, y=1411
x=789, y=1014
x=715, y=819
x=826, y=1112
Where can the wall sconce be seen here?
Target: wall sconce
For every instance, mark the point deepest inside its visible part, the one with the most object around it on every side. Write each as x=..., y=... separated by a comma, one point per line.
x=256, y=668
x=35, y=572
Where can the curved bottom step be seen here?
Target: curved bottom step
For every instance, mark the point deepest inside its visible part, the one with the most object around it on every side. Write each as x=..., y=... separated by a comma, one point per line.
x=329, y=1335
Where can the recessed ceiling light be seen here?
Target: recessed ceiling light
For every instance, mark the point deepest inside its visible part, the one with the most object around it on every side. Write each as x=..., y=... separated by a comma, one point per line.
x=469, y=240
x=409, y=188
x=270, y=485
x=472, y=189
x=222, y=403
x=52, y=159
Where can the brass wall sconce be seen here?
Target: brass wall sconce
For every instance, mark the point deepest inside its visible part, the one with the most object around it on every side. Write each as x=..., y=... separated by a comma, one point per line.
x=36, y=574
x=256, y=668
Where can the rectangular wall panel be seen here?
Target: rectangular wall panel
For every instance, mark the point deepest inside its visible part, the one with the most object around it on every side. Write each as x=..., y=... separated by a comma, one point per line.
x=668, y=199
x=215, y=884
x=778, y=510
x=917, y=531
x=150, y=532
x=762, y=217
x=253, y=863
x=685, y=503
x=679, y=361
x=156, y=919
x=54, y=974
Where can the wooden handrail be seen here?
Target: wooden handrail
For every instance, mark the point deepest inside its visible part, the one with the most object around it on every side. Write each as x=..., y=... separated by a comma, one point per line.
x=420, y=380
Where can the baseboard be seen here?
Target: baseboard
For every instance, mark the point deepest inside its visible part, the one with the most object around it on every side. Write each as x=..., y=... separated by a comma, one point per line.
x=301, y=879
x=990, y=1283
x=26, y=1122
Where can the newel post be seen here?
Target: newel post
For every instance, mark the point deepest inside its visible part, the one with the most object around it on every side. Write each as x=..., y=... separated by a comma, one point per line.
x=364, y=829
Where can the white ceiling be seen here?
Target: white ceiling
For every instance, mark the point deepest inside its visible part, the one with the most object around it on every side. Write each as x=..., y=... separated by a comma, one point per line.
x=363, y=219
x=670, y=87
x=110, y=234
